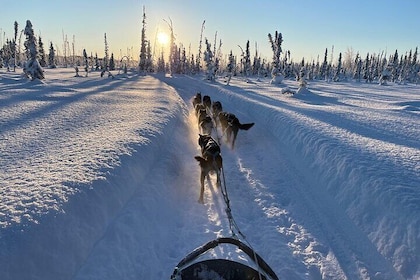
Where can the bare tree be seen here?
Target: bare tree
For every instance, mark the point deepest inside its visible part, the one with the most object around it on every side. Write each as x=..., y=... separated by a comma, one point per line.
x=198, y=64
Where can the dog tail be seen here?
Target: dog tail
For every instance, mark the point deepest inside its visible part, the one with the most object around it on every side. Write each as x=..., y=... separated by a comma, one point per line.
x=200, y=159
x=246, y=126
x=216, y=159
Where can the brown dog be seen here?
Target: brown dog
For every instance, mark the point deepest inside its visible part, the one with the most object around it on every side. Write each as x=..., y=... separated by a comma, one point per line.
x=210, y=161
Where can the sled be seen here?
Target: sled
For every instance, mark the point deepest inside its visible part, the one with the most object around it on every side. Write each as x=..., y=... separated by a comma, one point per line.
x=189, y=268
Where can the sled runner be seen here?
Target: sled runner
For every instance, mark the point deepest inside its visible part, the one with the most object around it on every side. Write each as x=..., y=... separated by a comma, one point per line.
x=187, y=268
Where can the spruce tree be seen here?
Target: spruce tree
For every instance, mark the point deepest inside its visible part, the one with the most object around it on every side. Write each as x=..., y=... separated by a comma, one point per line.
x=149, y=58
x=51, y=57
x=85, y=58
x=161, y=63
x=277, y=50
x=366, y=69
x=413, y=67
x=324, y=68
x=247, y=60
x=209, y=59
x=143, y=54
x=106, y=65
x=198, y=64
x=41, y=53
x=357, y=75
x=97, y=65
x=112, y=62
x=32, y=68
x=230, y=68
x=395, y=67
x=276, y=47
x=15, y=47
x=337, y=75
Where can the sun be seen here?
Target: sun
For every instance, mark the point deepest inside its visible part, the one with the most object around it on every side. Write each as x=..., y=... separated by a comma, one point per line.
x=162, y=38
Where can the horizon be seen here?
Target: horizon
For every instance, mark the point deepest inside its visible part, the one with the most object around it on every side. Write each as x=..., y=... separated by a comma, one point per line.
x=308, y=29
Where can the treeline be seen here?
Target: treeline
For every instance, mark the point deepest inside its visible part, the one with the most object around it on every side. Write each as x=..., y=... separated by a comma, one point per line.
x=211, y=61
x=379, y=68
x=32, y=57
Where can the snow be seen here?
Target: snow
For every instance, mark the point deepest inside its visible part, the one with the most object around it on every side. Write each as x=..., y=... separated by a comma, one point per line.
x=98, y=179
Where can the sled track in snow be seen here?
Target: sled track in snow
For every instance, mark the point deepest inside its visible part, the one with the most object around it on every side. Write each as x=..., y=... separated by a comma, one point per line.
x=302, y=218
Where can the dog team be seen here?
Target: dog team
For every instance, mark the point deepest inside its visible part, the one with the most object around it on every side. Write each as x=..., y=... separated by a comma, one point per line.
x=210, y=116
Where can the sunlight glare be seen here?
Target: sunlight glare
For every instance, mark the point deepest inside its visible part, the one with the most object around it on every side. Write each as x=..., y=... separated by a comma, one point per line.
x=162, y=38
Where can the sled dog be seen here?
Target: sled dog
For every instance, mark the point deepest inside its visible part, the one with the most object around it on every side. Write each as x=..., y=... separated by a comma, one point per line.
x=206, y=125
x=216, y=108
x=197, y=99
x=209, y=161
x=201, y=116
x=207, y=101
x=230, y=126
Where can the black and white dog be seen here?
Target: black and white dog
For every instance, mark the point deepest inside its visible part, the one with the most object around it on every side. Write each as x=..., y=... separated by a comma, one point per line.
x=196, y=99
x=230, y=126
x=209, y=161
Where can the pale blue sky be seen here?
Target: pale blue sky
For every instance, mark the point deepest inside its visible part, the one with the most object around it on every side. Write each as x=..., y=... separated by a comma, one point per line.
x=308, y=27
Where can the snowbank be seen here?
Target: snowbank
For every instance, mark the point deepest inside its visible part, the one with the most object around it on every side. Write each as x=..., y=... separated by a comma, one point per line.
x=98, y=179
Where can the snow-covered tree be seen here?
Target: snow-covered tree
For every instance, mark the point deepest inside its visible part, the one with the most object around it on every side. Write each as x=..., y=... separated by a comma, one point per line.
x=385, y=76
x=32, y=68
x=324, y=68
x=85, y=58
x=149, y=57
x=198, y=64
x=276, y=42
x=6, y=54
x=1, y=58
x=395, y=66
x=41, y=53
x=51, y=57
x=97, y=64
x=173, y=56
x=367, y=69
x=256, y=65
x=106, y=57
x=161, y=63
x=106, y=61
x=230, y=68
x=112, y=62
x=209, y=60
x=65, y=48
x=143, y=64
x=338, y=70
x=15, y=53
x=247, y=60
x=276, y=47
x=357, y=75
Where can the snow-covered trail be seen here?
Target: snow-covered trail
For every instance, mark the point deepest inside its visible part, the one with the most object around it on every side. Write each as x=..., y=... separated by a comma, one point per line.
x=304, y=223
x=113, y=185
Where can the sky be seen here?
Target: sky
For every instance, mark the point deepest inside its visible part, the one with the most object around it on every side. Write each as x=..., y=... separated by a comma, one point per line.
x=308, y=27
